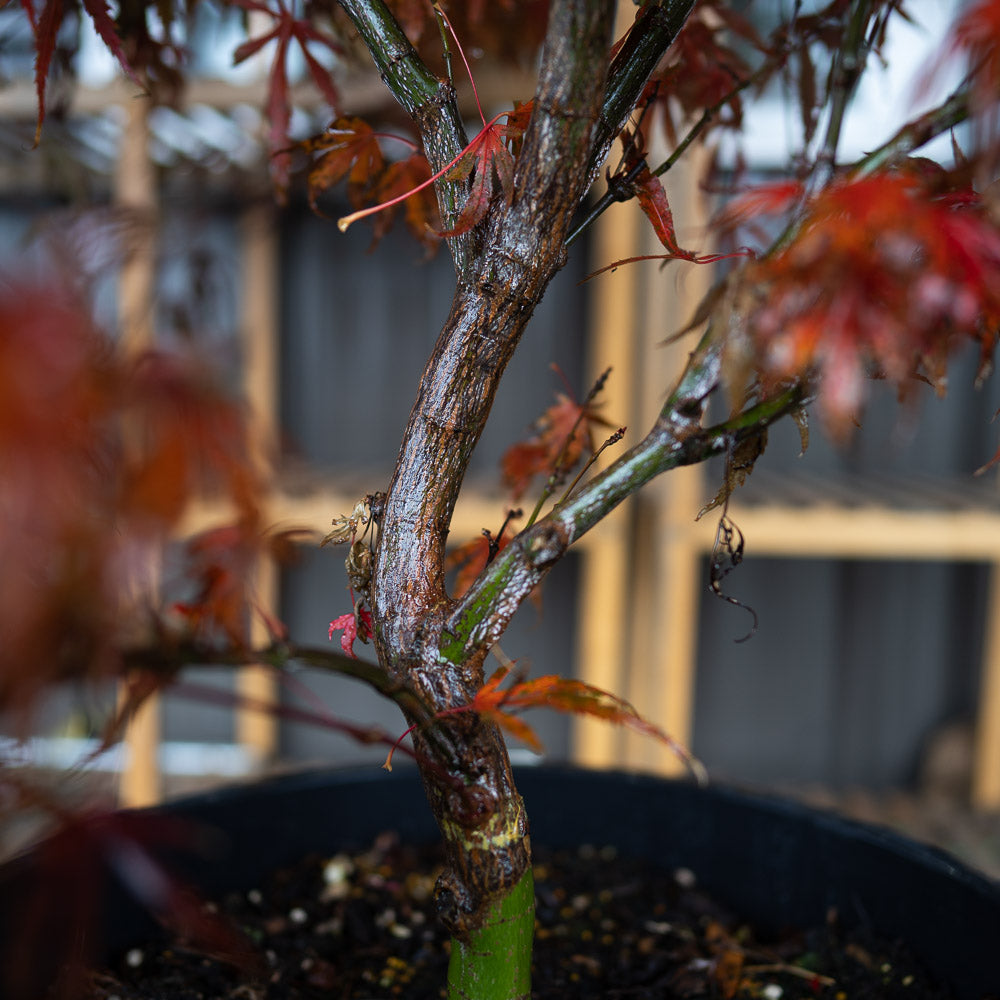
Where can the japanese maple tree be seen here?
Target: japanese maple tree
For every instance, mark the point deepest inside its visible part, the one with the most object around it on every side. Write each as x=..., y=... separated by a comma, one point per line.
x=882, y=268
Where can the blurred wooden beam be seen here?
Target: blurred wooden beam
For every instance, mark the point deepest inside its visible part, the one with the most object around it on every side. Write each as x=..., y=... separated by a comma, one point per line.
x=136, y=193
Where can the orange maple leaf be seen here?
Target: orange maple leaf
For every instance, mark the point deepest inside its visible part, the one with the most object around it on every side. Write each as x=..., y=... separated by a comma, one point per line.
x=562, y=694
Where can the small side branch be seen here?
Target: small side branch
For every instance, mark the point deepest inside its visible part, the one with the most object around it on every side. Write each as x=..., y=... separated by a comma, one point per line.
x=167, y=659
x=656, y=26
x=481, y=616
x=951, y=112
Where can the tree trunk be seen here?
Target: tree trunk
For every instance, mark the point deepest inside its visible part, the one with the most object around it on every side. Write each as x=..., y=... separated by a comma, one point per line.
x=503, y=268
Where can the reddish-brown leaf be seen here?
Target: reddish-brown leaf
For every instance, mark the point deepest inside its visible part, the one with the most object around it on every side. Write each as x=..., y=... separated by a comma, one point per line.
x=187, y=438
x=561, y=436
x=701, y=70
x=58, y=535
x=521, y=462
x=508, y=30
x=975, y=38
x=652, y=198
x=220, y=562
x=420, y=209
x=100, y=456
x=348, y=149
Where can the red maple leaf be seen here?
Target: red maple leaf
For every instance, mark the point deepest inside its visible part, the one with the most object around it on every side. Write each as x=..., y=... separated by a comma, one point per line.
x=356, y=624
x=490, y=162
x=884, y=275
x=287, y=28
x=487, y=159
x=652, y=198
x=46, y=28
x=767, y=199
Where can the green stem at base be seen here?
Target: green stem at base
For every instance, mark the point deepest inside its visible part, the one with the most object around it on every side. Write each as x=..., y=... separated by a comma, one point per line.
x=495, y=962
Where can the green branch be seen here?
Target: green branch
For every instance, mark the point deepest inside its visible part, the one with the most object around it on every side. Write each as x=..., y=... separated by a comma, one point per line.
x=848, y=66
x=429, y=101
x=953, y=111
x=483, y=613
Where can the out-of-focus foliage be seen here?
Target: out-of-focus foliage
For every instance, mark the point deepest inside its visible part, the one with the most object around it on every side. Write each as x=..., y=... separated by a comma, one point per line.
x=101, y=454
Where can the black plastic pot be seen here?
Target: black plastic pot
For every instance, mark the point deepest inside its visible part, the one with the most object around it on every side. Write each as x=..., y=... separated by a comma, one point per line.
x=778, y=863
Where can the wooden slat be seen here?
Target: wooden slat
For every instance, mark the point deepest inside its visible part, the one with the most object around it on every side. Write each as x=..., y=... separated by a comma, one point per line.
x=258, y=731
x=602, y=602
x=255, y=730
x=135, y=191
x=665, y=593
x=828, y=531
x=892, y=519
x=315, y=509
x=140, y=784
x=851, y=490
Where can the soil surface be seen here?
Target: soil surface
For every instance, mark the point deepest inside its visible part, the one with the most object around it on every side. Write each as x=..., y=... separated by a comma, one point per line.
x=363, y=926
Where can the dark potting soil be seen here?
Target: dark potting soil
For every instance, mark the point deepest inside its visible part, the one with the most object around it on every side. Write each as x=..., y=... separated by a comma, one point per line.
x=363, y=926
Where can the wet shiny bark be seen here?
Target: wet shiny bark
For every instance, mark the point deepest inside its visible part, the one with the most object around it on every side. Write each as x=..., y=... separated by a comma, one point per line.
x=503, y=268
x=476, y=803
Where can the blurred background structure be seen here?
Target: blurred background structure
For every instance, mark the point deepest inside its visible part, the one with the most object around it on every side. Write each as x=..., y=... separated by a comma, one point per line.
x=874, y=569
